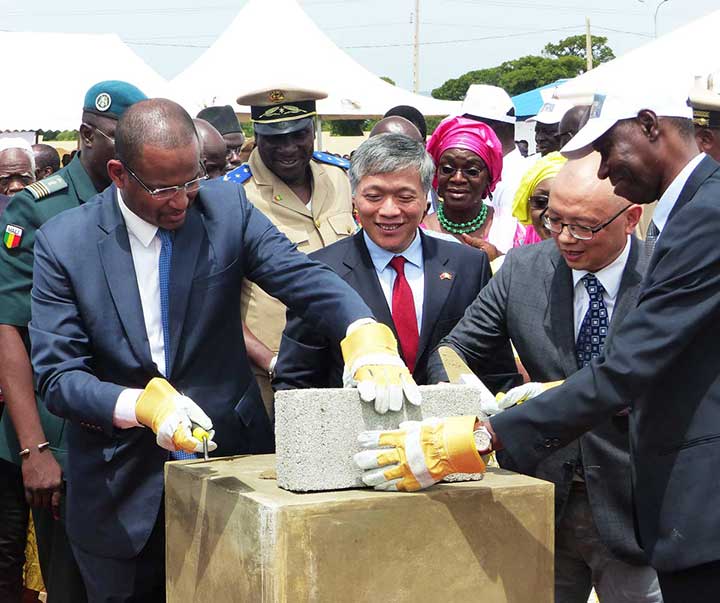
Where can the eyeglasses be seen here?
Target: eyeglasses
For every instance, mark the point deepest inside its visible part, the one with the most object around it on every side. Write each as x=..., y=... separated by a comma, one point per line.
x=583, y=233
x=538, y=201
x=105, y=134
x=168, y=192
x=471, y=172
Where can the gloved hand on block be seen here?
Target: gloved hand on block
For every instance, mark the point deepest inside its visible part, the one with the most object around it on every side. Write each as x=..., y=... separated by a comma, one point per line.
x=178, y=422
x=374, y=366
x=419, y=454
x=521, y=393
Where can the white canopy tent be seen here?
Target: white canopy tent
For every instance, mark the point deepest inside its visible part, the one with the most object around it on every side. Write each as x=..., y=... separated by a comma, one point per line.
x=54, y=99
x=670, y=62
x=274, y=44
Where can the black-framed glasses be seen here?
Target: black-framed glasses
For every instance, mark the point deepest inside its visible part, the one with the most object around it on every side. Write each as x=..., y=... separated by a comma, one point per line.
x=538, y=201
x=168, y=192
x=470, y=172
x=583, y=233
x=105, y=134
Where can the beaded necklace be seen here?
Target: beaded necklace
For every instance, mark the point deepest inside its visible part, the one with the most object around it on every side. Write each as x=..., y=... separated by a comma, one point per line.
x=461, y=227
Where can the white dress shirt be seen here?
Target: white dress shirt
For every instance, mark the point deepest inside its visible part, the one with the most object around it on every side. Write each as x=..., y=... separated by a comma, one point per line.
x=609, y=277
x=414, y=272
x=670, y=196
x=145, y=249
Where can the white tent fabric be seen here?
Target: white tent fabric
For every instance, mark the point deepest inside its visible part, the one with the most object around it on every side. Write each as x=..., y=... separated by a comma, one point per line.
x=671, y=63
x=274, y=44
x=53, y=100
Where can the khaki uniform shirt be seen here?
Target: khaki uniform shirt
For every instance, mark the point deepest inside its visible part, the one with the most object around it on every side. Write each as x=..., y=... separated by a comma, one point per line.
x=329, y=219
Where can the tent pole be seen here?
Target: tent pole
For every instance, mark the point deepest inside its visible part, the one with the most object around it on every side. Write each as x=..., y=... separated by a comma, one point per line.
x=318, y=132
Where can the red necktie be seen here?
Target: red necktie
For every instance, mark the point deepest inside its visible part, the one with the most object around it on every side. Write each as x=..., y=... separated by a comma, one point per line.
x=403, y=313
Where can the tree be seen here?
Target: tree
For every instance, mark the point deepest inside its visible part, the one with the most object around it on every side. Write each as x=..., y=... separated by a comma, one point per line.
x=566, y=59
x=575, y=46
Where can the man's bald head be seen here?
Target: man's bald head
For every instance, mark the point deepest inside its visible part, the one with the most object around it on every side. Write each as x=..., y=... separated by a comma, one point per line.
x=213, y=151
x=157, y=122
x=397, y=125
x=579, y=197
x=574, y=119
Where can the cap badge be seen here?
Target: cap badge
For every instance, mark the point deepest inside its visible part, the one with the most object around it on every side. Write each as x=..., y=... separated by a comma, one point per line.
x=281, y=111
x=12, y=236
x=597, y=104
x=276, y=96
x=445, y=276
x=103, y=101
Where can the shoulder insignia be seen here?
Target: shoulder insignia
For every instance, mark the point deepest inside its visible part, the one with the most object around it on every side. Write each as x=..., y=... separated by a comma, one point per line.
x=47, y=186
x=240, y=174
x=12, y=236
x=331, y=159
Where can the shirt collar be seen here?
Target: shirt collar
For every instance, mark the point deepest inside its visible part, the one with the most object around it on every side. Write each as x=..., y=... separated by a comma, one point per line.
x=611, y=275
x=666, y=203
x=381, y=257
x=142, y=230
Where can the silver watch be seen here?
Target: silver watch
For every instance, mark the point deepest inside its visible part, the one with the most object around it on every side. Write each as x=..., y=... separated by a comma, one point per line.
x=483, y=440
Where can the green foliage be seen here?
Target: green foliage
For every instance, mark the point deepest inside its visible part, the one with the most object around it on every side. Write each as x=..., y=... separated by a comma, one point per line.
x=565, y=59
x=575, y=46
x=67, y=135
x=347, y=127
x=247, y=129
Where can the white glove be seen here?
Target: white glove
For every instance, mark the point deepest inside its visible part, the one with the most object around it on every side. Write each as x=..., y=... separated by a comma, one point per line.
x=180, y=424
x=521, y=393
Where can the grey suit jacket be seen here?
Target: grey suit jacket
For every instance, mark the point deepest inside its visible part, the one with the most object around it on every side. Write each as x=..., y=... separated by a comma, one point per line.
x=530, y=301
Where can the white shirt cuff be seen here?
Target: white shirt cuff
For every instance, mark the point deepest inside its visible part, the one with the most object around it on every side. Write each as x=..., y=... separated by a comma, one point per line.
x=124, y=413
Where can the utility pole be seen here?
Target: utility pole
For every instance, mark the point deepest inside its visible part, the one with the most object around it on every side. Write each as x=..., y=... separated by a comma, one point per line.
x=416, y=49
x=588, y=44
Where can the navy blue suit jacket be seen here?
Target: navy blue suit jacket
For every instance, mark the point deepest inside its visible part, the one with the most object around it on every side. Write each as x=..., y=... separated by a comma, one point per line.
x=664, y=362
x=89, y=343
x=308, y=358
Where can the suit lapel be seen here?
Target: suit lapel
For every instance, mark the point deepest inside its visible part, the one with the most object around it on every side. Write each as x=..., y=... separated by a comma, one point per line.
x=186, y=247
x=559, y=316
x=117, y=262
x=701, y=173
x=631, y=280
x=362, y=277
x=436, y=289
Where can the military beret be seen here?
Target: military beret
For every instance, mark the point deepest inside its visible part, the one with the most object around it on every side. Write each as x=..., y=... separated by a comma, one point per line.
x=111, y=98
x=281, y=110
x=222, y=118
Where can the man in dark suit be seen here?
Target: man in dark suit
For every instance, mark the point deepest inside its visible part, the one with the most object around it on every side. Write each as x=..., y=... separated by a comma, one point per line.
x=539, y=300
x=421, y=301
x=664, y=362
x=138, y=289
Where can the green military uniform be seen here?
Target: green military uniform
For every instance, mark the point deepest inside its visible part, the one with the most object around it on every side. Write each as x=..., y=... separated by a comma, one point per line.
x=28, y=211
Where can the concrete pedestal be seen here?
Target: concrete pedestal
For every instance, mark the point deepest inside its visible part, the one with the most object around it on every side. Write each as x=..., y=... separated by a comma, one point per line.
x=234, y=536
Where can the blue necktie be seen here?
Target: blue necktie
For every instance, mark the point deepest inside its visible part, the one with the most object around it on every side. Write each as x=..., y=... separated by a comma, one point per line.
x=594, y=327
x=166, y=245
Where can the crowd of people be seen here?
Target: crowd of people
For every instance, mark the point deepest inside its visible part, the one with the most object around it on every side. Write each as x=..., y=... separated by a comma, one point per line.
x=160, y=287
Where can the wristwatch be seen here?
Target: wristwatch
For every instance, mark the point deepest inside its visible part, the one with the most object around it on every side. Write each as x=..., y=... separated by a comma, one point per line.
x=483, y=440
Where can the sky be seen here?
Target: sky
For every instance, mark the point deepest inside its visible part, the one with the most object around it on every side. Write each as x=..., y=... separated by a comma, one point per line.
x=456, y=35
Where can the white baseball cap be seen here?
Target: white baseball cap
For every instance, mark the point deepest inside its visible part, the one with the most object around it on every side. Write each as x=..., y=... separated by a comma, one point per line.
x=552, y=111
x=488, y=102
x=607, y=110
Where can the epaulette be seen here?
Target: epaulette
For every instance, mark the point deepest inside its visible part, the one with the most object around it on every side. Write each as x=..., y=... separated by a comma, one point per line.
x=331, y=159
x=47, y=186
x=240, y=174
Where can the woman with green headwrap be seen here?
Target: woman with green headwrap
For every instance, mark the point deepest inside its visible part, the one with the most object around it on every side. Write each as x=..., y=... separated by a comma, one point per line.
x=531, y=198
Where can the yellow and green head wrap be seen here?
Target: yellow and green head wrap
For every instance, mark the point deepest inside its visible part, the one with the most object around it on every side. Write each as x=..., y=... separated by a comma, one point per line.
x=542, y=169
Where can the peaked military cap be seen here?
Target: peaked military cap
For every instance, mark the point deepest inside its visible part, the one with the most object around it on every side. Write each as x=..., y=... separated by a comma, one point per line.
x=705, y=103
x=281, y=110
x=222, y=118
x=112, y=98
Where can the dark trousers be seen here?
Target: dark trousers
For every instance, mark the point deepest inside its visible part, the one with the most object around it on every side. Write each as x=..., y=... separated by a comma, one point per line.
x=13, y=532
x=699, y=584
x=140, y=579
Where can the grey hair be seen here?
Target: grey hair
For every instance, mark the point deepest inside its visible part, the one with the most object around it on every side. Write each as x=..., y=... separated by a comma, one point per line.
x=23, y=145
x=386, y=153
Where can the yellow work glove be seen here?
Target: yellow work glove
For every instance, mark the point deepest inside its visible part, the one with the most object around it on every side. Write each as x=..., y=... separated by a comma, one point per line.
x=521, y=393
x=373, y=365
x=419, y=454
x=177, y=421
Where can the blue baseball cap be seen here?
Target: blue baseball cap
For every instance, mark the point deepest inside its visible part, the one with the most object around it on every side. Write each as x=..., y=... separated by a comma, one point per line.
x=111, y=98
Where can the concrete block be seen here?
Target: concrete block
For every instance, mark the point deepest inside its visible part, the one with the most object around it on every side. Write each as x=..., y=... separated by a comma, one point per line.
x=234, y=536
x=316, y=431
